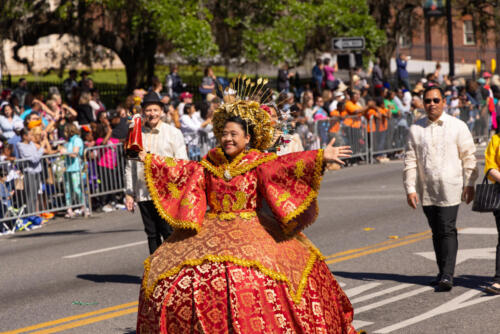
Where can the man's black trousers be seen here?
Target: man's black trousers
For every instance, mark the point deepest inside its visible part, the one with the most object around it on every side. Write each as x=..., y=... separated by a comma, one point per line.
x=156, y=228
x=443, y=221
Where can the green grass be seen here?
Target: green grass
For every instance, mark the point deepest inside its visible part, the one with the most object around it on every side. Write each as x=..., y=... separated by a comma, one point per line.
x=119, y=76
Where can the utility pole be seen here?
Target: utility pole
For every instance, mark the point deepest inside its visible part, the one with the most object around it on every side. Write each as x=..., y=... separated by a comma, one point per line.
x=451, y=54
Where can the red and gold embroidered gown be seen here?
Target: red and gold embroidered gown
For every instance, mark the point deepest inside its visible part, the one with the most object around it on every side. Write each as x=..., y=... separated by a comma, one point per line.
x=236, y=269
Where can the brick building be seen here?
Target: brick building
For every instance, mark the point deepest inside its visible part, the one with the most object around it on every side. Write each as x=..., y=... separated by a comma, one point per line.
x=430, y=41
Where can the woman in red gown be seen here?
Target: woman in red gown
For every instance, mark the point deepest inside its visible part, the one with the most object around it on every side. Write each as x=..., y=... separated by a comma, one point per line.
x=239, y=267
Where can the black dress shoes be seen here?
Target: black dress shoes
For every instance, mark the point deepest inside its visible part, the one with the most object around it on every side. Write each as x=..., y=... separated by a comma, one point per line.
x=445, y=283
x=435, y=282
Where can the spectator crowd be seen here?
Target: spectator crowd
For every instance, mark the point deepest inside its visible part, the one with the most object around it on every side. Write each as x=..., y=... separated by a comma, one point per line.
x=68, y=139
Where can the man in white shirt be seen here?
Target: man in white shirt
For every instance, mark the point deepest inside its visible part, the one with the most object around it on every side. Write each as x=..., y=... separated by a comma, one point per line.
x=158, y=138
x=440, y=171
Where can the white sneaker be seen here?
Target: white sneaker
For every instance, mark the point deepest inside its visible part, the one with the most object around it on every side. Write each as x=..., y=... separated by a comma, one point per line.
x=107, y=208
x=120, y=206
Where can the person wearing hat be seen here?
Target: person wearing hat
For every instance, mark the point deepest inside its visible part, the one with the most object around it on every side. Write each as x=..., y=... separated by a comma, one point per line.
x=157, y=138
x=186, y=97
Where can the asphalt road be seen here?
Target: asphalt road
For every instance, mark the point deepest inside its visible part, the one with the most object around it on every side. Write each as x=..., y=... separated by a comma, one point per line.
x=83, y=276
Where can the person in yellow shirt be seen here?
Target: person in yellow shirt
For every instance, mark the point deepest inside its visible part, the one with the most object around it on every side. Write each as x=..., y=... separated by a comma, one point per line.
x=492, y=164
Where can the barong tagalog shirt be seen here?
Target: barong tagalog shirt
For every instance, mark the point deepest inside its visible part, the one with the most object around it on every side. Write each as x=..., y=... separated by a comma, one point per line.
x=165, y=140
x=439, y=160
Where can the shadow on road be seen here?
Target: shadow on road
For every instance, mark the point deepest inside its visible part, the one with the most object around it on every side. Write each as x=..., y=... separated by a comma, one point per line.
x=467, y=281
x=63, y=233
x=129, y=331
x=111, y=278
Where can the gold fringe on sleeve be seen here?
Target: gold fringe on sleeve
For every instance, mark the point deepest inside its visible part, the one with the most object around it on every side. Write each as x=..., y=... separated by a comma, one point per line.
x=175, y=223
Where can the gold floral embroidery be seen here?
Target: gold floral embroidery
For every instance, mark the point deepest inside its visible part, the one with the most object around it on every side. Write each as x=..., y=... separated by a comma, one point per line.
x=233, y=169
x=172, y=188
x=299, y=169
x=282, y=197
x=177, y=223
x=170, y=162
x=313, y=194
x=185, y=202
x=232, y=215
x=226, y=203
x=241, y=200
x=277, y=276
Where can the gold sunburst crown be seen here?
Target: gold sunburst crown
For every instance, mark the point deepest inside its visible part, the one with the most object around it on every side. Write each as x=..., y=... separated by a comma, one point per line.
x=243, y=98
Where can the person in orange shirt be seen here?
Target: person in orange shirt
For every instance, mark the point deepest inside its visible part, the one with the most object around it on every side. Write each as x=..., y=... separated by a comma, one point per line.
x=382, y=126
x=353, y=111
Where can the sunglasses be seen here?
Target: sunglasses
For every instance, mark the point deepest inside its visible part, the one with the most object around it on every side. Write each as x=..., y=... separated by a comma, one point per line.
x=435, y=100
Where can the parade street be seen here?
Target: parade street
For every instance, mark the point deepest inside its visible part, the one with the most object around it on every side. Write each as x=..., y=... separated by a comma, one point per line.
x=84, y=275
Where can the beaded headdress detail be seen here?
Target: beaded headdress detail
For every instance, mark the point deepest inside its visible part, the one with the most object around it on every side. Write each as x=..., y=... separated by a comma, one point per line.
x=243, y=98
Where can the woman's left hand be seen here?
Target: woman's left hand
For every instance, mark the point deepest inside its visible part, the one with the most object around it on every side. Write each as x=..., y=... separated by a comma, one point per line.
x=331, y=153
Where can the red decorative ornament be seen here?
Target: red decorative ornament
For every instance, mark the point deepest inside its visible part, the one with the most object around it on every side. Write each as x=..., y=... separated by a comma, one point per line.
x=134, y=141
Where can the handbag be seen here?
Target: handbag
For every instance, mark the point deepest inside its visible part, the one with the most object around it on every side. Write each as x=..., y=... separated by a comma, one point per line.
x=487, y=196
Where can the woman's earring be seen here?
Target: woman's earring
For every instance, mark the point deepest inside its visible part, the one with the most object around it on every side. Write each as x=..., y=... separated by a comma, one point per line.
x=247, y=147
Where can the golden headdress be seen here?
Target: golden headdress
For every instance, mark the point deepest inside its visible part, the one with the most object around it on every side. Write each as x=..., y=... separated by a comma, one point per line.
x=243, y=98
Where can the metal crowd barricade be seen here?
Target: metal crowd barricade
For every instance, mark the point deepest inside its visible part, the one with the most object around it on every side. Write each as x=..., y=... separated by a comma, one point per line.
x=105, y=171
x=53, y=188
x=350, y=130
x=391, y=140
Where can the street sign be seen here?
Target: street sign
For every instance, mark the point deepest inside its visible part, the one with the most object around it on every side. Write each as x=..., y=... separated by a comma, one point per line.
x=348, y=43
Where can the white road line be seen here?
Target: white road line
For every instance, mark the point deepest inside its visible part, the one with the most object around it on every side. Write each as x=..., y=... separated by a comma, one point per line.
x=392, y=300
x=358, y=197
x=478, y=230
x=360, y=289
x=381, y=293
x=464, y=300
x=104, y=250
x=358, y=324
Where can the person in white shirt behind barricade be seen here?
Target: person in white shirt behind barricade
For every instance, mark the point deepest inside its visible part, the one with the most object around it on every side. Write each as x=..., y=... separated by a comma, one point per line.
x=191, y=124
x=158, y=138
x=440, y=171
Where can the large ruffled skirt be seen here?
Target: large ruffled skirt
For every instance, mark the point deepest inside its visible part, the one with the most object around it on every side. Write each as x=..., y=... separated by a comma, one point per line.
x=240, y=276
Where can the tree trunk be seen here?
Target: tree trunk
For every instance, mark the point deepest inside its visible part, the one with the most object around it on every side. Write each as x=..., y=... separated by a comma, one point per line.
x=140, y=63
x=385, y=53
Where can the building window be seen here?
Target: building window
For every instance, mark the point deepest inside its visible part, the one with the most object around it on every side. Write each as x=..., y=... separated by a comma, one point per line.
x=469, y=38
x=404, y=41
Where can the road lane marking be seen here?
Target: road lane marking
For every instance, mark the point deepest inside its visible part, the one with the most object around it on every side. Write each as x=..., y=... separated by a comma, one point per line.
x=361, y=324
x=71, y=318
x=359, y=197
x=466, y=254
x=377, y=250
x=428, y=232
x=104, y=250
x=360, y=289
x=86, y=321
x=392, y=300
x=381, y=293
x=464, y=300
x=479, y=230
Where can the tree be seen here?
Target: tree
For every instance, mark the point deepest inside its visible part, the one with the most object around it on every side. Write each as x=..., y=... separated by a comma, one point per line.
x=278, y=30
x=134, y=30
x=396, y=19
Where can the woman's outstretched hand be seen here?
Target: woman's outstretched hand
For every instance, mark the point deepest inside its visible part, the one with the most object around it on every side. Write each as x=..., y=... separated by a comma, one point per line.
x=331, y=153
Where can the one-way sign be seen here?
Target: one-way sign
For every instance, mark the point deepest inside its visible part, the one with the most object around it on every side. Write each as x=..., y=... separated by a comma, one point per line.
x=348, y=43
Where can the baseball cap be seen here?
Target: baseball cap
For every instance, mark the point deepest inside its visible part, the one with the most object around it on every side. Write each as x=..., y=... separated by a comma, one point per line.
x=186, y=95
x=486, y=75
